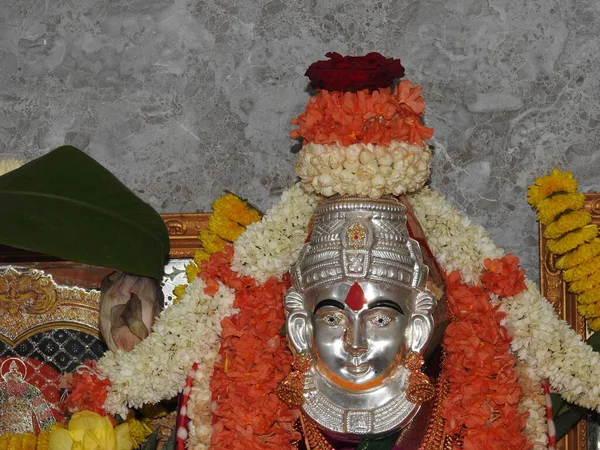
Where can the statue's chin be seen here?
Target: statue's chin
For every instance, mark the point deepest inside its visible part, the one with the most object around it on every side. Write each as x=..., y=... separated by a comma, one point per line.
x=374, y=407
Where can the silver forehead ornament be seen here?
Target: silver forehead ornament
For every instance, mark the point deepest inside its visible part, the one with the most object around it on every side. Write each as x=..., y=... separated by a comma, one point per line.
x=357, y=240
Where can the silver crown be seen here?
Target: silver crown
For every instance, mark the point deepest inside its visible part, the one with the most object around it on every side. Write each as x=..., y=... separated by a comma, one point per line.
x=357, y=237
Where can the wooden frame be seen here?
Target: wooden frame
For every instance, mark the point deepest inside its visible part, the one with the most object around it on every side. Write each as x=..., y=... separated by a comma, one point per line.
x=555, y=290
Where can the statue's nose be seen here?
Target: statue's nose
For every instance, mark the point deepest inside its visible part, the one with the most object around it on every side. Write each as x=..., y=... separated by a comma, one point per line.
x=356, y=344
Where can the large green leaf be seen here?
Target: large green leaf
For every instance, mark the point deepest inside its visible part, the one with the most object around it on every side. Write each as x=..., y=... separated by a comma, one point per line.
x=67, y=205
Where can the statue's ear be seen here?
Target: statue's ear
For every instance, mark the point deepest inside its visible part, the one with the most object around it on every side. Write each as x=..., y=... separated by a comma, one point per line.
x=297, y=324
x=421, y=327
x=298, y=329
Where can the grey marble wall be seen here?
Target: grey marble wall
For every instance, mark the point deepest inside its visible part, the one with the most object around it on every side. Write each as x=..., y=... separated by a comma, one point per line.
x=183, y=99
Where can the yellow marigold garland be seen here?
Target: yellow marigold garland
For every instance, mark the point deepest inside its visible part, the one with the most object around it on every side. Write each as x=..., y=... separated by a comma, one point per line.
x=25, y=441
x=549, y=185
x=229, y=219
x=578, y=256
x=567, y=222
x=582, y=270
x=551, y=207
x=572, y=235
x=573, y=239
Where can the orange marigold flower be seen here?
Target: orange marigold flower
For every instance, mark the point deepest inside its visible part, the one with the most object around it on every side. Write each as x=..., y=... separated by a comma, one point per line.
x=87, y=391
x=503, y=276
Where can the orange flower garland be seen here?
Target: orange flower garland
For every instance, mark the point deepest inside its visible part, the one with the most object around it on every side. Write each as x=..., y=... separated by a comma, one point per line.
x=376, y=117
x=481, y=407
x=87, y=390
x=254, y=360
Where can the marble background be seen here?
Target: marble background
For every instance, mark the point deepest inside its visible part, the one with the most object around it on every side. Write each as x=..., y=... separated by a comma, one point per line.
x=183, y=99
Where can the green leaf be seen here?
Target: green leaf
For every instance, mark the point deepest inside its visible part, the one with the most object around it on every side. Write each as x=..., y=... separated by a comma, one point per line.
x=567, y=420
x=380, y=443
x=594, y=341
x=170, y=444
x=152, y=441
x=559, y=405
x=67, y=205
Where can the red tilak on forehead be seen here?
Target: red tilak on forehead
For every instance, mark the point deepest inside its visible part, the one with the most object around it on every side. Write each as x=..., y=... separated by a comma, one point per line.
x=356, y=297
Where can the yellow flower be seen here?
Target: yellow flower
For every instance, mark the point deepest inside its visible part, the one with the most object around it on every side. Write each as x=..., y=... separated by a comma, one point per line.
x=573, y=239
x=4, y=439
x=14, y=442
x=551, y=207
x=211, y=242
x=585, y=284
x=191, y=271
x=594, y=324
x=556, y=182
x=28, y=441
x=87, y=431
x=199, y=256
x=567, y=222
x=178, y=292
x=589, y=297
x=582, y=270
x=234, y=208
x=139, y=431
x=589, y=311
x=126, y=442
x=224, y=227
x=579, y=255
x=42, y=440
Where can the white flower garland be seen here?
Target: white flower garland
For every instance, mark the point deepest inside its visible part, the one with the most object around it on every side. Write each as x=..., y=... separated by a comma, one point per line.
x=532, y=402
x=456, y=242
x=199, y=408
x=552, y=348
x=363, y=169
x=156, y=368
x=270, y=247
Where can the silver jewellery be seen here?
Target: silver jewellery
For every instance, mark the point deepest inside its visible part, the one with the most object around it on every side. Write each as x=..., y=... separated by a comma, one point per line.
x=357, y=310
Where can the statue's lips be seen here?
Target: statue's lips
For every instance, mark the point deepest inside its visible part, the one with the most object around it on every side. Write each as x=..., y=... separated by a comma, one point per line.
x=358, y=369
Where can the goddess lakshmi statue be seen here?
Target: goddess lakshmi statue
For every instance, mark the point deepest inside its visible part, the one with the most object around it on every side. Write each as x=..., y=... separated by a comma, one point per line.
x=363, y=305
x=360, y=317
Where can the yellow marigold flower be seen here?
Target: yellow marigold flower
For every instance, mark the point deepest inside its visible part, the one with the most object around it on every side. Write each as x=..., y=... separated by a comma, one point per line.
x=581, y=254
x=567, y=222
x=594, y=324
x=589, y=297
x=224, y=227
x=178, y=292
x=556, y=182
x=139, y=431
x=234, y=208
x=29, y=441
x=589, y=311
x=582, y=270
x=14, y=441
x=199, y=256
x=211, y=242
x=4, y=438
x=42, y=440
x=551, y=207
x=586, y=284
x=191, y=271
x=573, y=239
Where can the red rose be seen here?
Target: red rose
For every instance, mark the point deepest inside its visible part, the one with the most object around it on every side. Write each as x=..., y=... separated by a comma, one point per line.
x=354, y=73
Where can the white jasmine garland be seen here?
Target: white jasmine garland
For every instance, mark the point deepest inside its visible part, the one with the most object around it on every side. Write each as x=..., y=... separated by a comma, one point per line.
x=552, y=348
x=456, y=242
x=156, y=368
x=270, y=247
x=199, y=405
x=363, y=169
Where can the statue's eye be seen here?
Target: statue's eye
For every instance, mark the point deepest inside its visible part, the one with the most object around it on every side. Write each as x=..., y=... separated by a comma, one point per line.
x=332, y=319
x=381, y=320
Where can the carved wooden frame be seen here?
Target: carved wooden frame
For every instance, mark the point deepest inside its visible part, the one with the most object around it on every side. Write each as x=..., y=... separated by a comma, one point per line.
x=555, y=290
x=50, y=295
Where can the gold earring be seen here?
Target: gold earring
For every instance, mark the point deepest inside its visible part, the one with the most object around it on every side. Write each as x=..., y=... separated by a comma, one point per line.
x=420, y=389
x=291, y=389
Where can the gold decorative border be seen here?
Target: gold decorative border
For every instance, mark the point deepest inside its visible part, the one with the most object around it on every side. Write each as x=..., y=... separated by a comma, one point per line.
x=36, y=298
x=555, y=290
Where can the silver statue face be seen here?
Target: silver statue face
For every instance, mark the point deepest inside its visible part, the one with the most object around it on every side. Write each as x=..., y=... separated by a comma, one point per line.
x=358, y=348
